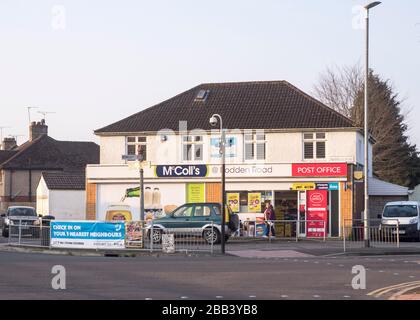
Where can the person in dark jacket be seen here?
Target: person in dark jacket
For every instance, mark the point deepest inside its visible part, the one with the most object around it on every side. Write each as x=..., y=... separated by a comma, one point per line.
x=270, y=217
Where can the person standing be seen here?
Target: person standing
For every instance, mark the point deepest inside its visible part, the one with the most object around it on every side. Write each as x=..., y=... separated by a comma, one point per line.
x=270, y=217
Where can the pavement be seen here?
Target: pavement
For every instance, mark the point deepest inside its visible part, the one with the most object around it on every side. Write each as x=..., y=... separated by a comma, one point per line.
x=205, y=277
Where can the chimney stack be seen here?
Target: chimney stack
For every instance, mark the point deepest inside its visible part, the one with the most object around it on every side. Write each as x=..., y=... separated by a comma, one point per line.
x=9, y=143
x=37, y=129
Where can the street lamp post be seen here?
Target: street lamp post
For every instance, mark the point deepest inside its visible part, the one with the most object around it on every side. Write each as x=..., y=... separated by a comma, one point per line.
x=366, y=235
x=213, y=121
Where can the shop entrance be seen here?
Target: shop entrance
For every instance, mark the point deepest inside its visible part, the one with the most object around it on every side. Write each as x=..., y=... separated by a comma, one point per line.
x=286, y=208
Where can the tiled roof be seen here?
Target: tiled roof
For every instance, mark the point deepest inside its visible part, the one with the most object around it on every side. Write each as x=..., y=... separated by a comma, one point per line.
x=242, y=105
x=46, y=153
x=64, y=181
x=6, y=154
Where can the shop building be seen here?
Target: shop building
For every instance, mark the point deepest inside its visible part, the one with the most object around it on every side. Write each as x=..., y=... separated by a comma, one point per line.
x=282, y=145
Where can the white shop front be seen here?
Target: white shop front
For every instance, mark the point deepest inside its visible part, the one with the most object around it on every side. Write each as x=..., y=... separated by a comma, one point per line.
x=112, y=189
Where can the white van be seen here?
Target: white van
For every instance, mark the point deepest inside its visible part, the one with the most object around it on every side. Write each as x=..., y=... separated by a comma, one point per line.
x=407, y=213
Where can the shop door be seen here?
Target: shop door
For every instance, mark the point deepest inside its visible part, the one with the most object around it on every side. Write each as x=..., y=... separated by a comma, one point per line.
x=301, y=216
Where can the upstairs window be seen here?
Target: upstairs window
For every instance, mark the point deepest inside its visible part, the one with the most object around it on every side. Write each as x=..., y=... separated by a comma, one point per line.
x=136, y=146
x=192, y=148
x=314, y=145
x=254, y=146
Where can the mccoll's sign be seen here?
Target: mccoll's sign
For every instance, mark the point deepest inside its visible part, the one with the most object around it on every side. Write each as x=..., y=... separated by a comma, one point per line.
x=181, y=171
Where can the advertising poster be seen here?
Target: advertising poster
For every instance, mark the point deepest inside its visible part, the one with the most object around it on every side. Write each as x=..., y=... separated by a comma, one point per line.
x=317, y=213
x=134, y=234
x=87, y=235
x=233, y=201
x=195, y=193
x=254, y=202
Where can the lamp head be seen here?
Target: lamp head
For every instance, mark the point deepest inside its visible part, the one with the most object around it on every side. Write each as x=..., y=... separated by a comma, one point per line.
x=372, y=5
x=213, y=121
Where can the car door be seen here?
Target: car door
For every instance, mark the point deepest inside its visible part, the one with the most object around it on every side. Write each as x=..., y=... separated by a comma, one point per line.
x=182, y=217
x=202, y=215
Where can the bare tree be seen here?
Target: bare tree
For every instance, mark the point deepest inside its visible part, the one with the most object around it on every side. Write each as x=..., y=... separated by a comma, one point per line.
x=338, y=87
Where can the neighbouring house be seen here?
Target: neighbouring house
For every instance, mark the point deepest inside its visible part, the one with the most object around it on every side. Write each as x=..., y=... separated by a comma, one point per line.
x=381, y=192
x=21, y=166
x=62, y=195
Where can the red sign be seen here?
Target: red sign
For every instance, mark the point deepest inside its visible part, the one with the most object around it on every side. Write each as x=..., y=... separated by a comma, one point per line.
x=317, y=213
x=319, y=170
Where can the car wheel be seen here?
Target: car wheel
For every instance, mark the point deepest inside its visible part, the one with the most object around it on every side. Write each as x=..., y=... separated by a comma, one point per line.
x=157, y=235
x=211, y=236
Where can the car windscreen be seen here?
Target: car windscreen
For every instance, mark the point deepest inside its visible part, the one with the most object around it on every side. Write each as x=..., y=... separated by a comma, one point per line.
x=400, y=211
x=22, y=212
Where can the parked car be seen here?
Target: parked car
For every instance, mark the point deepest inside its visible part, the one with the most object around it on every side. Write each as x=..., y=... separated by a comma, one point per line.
x=195, y=219
x=407, y=214
x=15, y=215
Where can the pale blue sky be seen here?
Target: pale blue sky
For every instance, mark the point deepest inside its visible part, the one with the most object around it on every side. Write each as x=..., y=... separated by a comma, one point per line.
x=114, y=58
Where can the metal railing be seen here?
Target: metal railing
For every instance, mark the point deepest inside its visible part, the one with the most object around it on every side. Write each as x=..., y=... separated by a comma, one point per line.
x=153, y=237
x=28, y=233
x=379, y=235
x=201, y=236
x=283, y=229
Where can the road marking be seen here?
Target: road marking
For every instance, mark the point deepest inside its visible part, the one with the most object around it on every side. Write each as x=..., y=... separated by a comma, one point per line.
x=347, y=297
x=401, y=292
x=316, y=296
x=401, y=286
x=341, y=265
x=381, y=271
x=252, y=297
x=284, y=296
x=412, y=277
x=396, y=274
x=148, y=299
x=184, y=297
x=219, y=297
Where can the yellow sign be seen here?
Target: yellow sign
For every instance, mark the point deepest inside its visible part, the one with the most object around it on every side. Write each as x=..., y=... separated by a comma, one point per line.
x=195, y=193
x=254, y=202
x=358, y=175
x=303, y=186
x=233, y=201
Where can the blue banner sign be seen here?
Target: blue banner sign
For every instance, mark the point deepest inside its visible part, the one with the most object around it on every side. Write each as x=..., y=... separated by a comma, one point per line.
x=181, y=171
x=87, y=234
x=332, y=186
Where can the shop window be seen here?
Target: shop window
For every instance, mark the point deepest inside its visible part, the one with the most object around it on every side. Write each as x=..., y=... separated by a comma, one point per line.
x=254, y=146
x=136, y=146
x=314, y=145
x=192, y=148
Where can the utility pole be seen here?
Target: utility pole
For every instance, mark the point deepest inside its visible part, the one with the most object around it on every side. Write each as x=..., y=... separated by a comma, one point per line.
x=366, y=233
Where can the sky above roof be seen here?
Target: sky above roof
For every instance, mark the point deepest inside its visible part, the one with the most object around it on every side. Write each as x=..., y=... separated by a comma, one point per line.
x=95, y=64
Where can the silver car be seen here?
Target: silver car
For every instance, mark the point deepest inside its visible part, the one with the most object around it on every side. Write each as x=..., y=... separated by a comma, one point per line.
x=26, y=217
